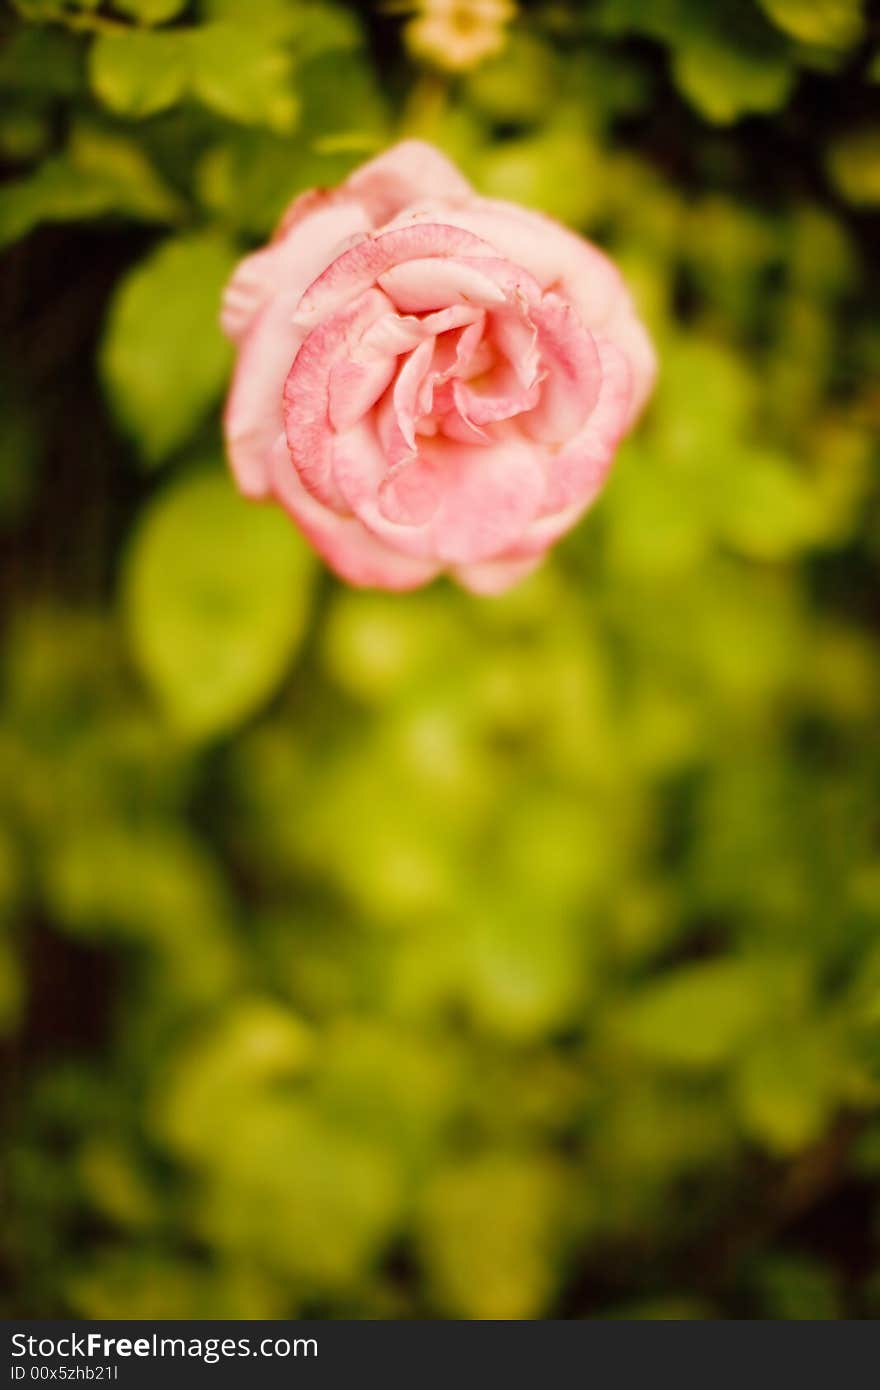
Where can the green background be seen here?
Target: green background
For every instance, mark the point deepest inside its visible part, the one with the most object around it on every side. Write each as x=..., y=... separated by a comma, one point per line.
x=426, y=956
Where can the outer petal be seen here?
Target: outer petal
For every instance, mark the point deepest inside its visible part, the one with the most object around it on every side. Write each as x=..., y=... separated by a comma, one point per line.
x=253, y=414
x=495, y=576
x=291, y=262
x=303, y=205
x=342, y=541
x=626, y=330
x=402, y=175
x=578, y=471
x=546, y=531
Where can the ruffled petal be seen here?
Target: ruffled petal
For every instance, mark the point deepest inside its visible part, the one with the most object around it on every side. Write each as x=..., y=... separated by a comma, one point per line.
x=306, y=393
x=434, y=283
x=348, y=548
x=576, y=474
x=578, y=471
x=361, y=266
x=360, y=468
x=355, y=387
x=395, y=334
x=506, y=399
x=488, y=494
x=557, y=258
x=398, y=416
x=571, y=372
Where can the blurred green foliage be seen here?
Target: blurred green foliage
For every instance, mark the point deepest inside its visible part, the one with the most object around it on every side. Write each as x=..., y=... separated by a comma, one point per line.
x=388, y=956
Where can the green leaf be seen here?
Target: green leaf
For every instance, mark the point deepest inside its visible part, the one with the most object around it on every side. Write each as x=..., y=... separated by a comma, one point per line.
x=489, y=1230
x=725, y=83
x=216, y=600
x=139, y=73
x=323, y=28
x=163, y=359
x=54, y=193
x=99, y=173
x=829, y=23
x=100, y=153
x=770, y=509
x=245, y=74
x=701, y=1015
x=787, y=1088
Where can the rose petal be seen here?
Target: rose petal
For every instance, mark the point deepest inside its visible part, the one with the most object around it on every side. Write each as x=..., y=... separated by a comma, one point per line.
x=355, y=387
x=556, y=257
x=361, y=266
x=348, y=548
x=560, y=260
x=506, y=399
x=407, y=172
x=433, y=283
x=627, y=332
x=394, y=334
x=289, y=264
x=397, y=423
x=253, y=414
x=304, y=204
x=495, y=576
x=576, y=474
x=411, y=494
x=489, y=494
x=571, y=372
x=578, y=471
x=516, y=336
x=306, y=393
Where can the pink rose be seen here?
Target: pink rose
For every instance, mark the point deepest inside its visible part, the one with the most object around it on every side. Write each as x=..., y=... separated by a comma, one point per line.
x=428, y=380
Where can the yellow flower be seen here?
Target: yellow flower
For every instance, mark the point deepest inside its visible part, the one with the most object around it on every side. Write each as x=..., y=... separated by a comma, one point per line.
x=459, y=34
